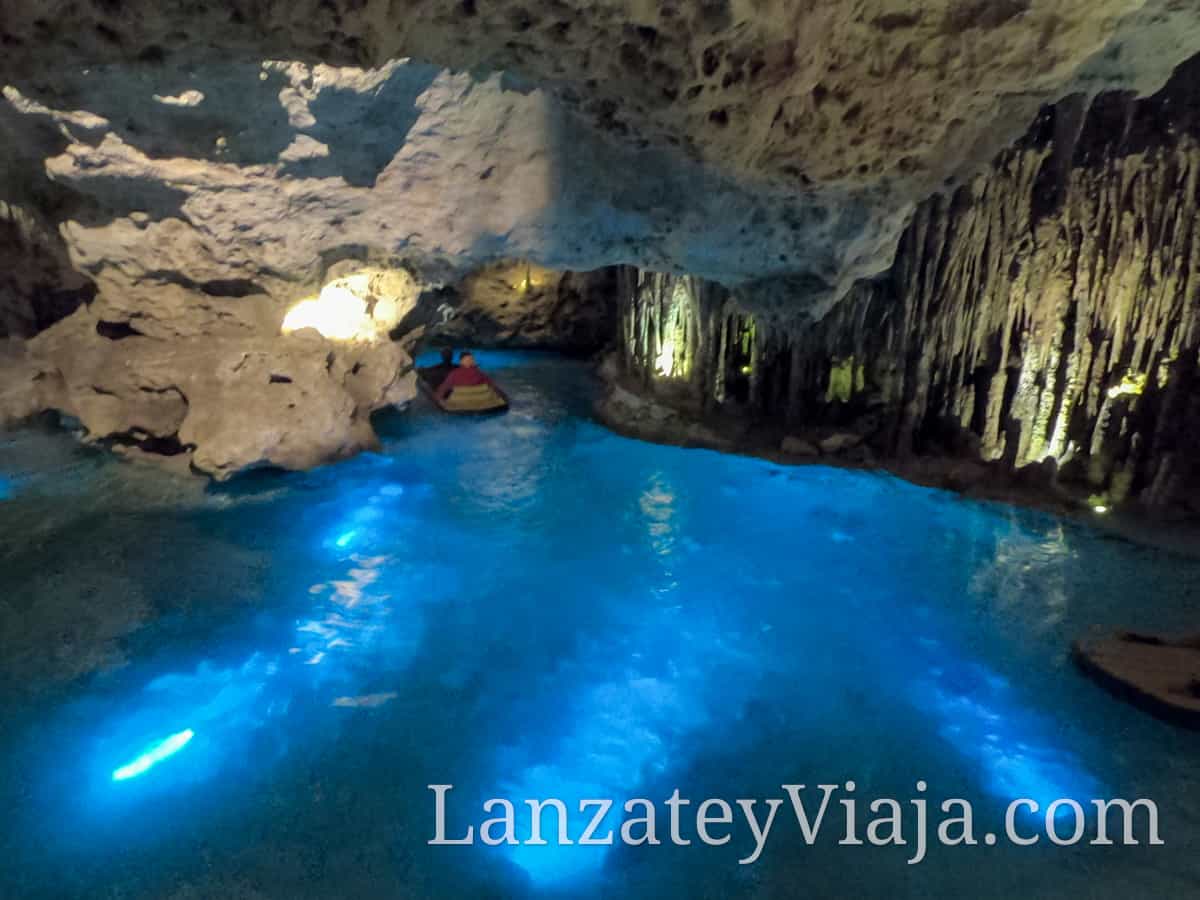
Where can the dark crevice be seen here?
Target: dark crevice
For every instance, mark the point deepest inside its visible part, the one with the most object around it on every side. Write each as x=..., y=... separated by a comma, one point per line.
x=232, y=287
x=116, y=331
x=148, y=443
x=226, y=288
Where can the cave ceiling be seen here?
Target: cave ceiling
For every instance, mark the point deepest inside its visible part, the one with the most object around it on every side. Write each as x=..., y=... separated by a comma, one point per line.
x=254, y=144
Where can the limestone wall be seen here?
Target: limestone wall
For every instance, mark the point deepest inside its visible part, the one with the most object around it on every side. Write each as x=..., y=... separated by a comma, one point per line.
x=1048, y=310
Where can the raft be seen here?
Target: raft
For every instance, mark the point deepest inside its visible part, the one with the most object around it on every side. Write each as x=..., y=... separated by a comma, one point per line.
x=1160, y=675
x=478, y=399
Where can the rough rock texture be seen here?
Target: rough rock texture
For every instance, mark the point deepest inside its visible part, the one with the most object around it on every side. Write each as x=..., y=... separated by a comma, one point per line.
x=205, y=167
x=222, y=398
x=521, y=304
x=282, y=169
x=1046, y=313
x=828, y=87
x=18, y=393
x=651, y=419
x=37, y=283
x=1157, y=673
x=814, y=126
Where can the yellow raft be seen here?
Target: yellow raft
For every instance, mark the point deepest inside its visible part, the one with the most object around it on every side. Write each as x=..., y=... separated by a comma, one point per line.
x=475, y=399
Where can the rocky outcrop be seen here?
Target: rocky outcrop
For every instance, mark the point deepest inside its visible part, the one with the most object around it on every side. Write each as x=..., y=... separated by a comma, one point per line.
x=259, y=176
x=38, y=284
x=224, y=404
x=521, y=304
x=223, y=388
x=1156, y=673
x=1044, y=314
x=649, y=418
x=19, y=398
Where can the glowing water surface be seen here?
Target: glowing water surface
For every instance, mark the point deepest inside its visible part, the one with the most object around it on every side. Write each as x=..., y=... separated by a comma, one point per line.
x=244, y=691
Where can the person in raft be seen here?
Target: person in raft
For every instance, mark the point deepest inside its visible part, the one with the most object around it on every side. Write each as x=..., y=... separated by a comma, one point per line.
x=467, y=374
x=438, y=373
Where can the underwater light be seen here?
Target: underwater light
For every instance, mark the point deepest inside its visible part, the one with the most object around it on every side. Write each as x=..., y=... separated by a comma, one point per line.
x=156, y=754
x=1100, y=509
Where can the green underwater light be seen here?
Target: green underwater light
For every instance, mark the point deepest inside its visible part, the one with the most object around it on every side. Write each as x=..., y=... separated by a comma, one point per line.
x=156, y=754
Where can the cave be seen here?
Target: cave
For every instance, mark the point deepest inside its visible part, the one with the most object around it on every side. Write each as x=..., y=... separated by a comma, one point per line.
x=546, y=448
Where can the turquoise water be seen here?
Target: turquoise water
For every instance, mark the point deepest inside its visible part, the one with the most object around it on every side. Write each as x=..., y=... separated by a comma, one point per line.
x=244, y=691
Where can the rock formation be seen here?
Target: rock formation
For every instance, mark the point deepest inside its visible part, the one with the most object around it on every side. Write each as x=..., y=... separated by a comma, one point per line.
x=516, y=303
x=1045, y=312
x=175, y=178
x=727, y=140
x=215, y=390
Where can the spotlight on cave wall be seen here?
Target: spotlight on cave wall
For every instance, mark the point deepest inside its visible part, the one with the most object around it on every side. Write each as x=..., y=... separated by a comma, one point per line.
x=845, y=380
x=518, y=276
x=673, y=359
x=363, y=306
x=664, y=364
x=1132, y=385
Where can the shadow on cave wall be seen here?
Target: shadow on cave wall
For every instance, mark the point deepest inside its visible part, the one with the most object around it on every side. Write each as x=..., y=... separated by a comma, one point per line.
x=364, y=131
x=239, y=121
x=38, y=285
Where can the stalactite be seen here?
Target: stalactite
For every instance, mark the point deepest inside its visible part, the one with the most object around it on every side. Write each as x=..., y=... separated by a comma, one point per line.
x=722, y=350
x=1047, y=310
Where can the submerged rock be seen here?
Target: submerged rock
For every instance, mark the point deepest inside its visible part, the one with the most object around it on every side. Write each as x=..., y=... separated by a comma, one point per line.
x=517, y=303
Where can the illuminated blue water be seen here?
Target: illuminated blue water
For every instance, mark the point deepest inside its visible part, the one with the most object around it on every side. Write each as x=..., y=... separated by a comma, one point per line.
x=244, y=692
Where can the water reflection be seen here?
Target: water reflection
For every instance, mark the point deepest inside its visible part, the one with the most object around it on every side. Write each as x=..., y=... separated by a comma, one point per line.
x=358, y=630
x=1013, y=749
x=218, y=706
x=353, y=613
x=1025, y=578
x=638, y=707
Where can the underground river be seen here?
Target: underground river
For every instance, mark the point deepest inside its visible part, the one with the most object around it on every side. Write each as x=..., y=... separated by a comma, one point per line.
x=244, y=691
